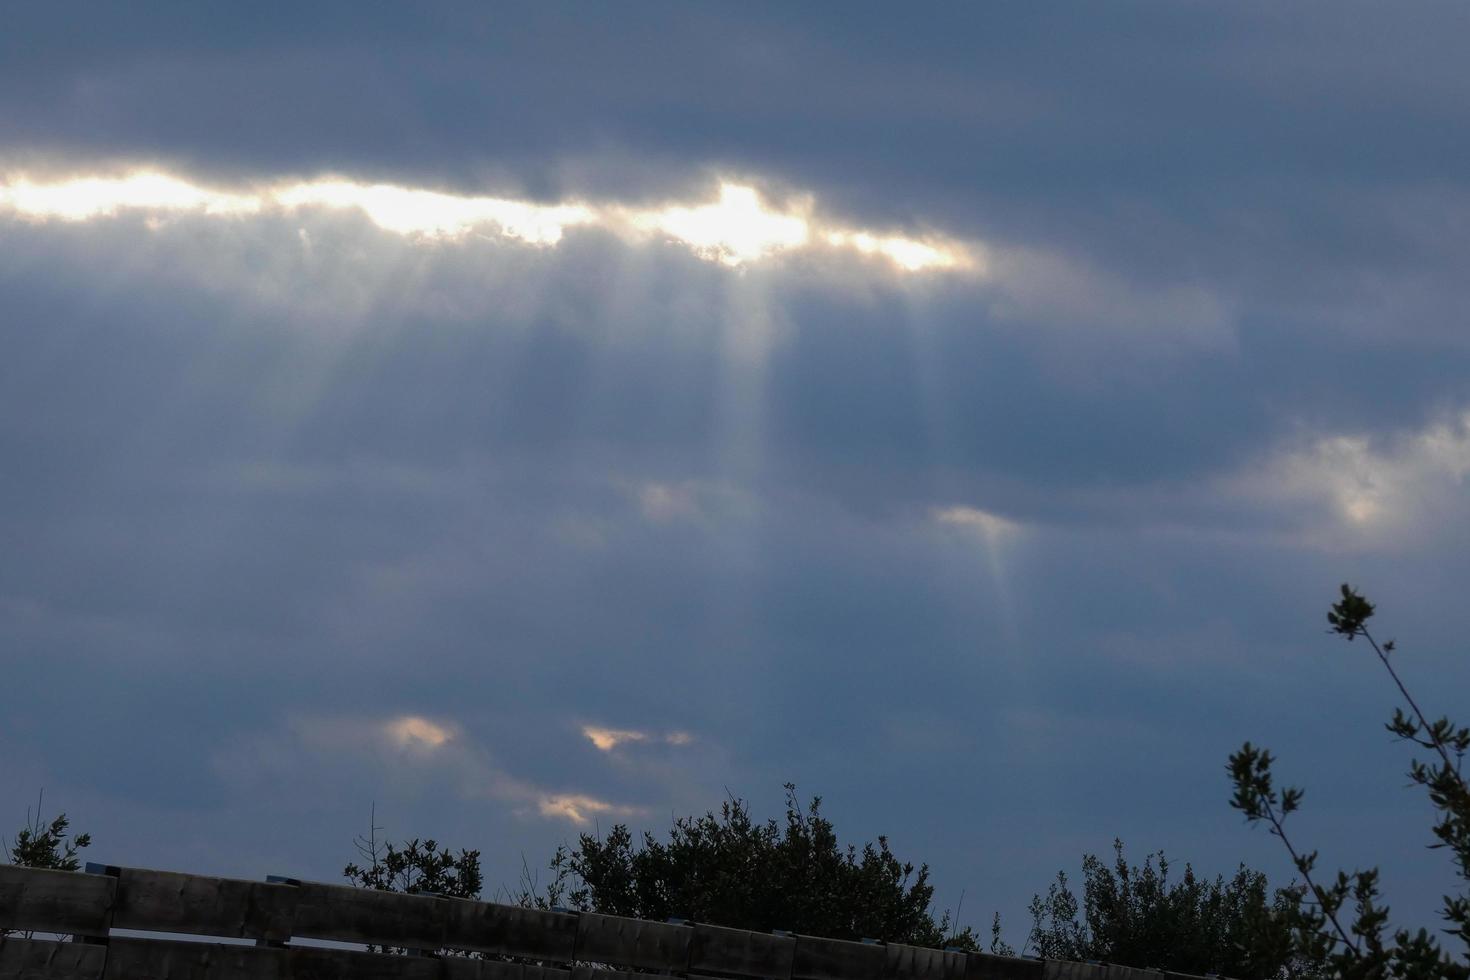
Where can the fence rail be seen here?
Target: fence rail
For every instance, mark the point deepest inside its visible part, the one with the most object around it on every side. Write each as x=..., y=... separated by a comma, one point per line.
x=545, y=945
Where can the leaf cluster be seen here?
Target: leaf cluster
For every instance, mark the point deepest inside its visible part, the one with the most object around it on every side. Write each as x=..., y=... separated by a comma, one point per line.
x=47, y=845
x=1134, y=915
x=732, y=870
x=1340, y=924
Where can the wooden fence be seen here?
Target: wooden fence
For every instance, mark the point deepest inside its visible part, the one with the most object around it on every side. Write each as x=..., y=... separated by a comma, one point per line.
x=522, y=944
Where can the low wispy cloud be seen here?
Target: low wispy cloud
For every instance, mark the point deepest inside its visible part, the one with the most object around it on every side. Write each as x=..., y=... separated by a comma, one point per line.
x=974, y=519
x=673, y=501
x=417, y=752
x=1376, y=489
x=581, y=809
x=413, y=731
x=608, y=739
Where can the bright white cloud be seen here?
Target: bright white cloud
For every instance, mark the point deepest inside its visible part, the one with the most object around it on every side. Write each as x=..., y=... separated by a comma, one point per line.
x=1371, y=486
x=908, y=254
x=408, y=211
x=83, y=198
x=738, y=228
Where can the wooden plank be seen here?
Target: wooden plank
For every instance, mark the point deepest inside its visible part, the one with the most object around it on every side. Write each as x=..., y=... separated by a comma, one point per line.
x=129, y=958
x=40, y=959
x=533, y=971
x=837, y=959
x=162, y=901
x=1066, y=970
x=507, y=970
x=903, y=962
x=42, y=900
x=632, y=942
x=311, y=963
x=987, y=966
x=509, y=930
x=739, y=952
x=363, y=915
x=462, y=968
x=586, y=971
x=1112, y=971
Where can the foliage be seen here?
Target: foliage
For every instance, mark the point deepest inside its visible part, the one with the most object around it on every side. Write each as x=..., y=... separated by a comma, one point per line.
x=46, y=845
x=1133, y=915
x=413, y=867
x=1356, y=947
x=731, y=870
x=42, y=844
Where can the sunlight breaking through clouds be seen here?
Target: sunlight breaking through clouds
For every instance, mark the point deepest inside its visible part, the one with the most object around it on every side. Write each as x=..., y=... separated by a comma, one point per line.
x=84, y=198
x=739, y=228
x=408, y=211
x=906, y=253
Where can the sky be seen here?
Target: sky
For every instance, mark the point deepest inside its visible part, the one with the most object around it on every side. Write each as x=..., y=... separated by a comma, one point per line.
x=517, y=420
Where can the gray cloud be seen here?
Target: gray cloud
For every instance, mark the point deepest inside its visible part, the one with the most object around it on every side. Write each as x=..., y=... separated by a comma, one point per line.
x=278, y=478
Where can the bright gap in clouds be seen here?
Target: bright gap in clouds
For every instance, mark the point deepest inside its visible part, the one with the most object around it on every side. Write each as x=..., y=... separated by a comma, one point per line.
x=96, y=197
x=739, y=228
x=419, y=212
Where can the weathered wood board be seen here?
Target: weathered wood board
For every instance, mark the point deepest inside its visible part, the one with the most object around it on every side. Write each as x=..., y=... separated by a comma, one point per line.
x=738, y=952
x=163, y=901
x=362, y=915
x=509, y=930
x=41, y=900
x=985, y=966
x=548, y=945
x=39, y=959
x=632, y=942
x=922, y=963
x=837, y=959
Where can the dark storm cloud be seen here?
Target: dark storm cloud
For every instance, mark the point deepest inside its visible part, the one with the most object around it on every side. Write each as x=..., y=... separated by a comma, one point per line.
x=275, y=484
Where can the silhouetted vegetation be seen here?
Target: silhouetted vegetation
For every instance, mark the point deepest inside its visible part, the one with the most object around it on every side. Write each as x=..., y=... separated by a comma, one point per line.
x=1134, y=915
x=46, y=844
x=414, y=867
x=731, y=870
x=1341, y=922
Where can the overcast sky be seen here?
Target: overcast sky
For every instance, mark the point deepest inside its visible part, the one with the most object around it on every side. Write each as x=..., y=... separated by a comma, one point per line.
x=533, y=418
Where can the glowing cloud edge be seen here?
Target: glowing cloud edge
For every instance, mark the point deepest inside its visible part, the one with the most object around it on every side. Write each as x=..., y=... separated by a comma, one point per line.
x=737, y=229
